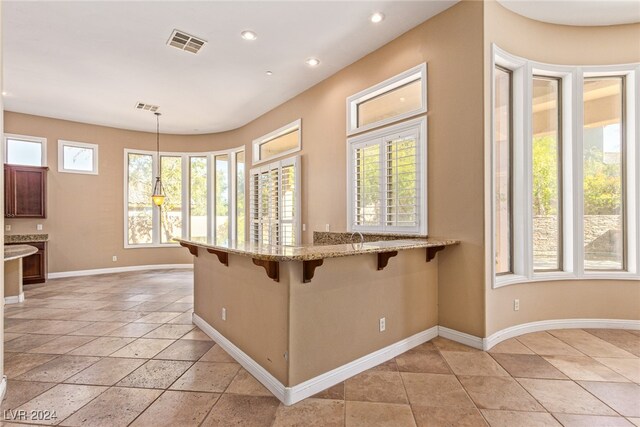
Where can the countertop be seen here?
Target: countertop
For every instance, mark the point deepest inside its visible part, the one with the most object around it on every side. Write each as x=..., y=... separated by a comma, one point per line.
x=18, y=251
x=316, y=252
x=341, y=237
x=25, y=238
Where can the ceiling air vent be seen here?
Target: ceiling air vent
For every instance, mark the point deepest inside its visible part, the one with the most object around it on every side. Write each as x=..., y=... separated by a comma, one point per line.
x=146, y=107
x=183, y=41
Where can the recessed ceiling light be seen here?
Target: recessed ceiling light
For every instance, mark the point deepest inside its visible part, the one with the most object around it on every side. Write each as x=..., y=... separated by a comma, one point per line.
x=269, y=73
x=313, y=62
x=377, y=17
x=4, y=93
x=249, y=35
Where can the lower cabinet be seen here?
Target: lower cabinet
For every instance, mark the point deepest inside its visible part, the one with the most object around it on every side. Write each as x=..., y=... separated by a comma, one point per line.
x=34, y=267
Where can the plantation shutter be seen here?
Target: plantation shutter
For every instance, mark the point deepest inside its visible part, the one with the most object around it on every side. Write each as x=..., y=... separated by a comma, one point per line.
x=387, y=182
x=402, y=181
x=367, y=182
x=275, y=203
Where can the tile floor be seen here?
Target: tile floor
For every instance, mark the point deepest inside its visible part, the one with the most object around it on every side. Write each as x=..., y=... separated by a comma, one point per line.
x=120, y=349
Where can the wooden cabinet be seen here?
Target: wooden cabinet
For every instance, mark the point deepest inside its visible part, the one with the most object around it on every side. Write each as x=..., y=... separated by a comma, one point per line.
x=34, y=267
x=25, y=191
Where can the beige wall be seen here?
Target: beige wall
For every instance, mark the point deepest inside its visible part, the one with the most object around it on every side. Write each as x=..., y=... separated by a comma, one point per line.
x=85, y=213
x=555, y=44
x=257, y=312
x=13, y=278
x=323, y=324
x=2, y=383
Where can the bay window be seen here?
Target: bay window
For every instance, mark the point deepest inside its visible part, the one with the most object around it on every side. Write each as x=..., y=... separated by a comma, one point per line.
x=198, y=203
x=502, y=115
x=574, y=174
x=603, y=179
x=546, y=154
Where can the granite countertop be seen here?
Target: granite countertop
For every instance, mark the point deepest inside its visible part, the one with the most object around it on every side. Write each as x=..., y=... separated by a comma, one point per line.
x=18, y=251
x=315, y=252
x=339, y=237
x=25, y=238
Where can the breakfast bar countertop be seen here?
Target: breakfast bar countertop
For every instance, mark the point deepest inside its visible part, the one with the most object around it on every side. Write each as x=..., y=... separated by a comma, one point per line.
x=314, y=252
x=12, y=252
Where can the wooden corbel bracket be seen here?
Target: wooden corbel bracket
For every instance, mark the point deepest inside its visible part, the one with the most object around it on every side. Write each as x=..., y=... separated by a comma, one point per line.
x=271, y=267
x=309, y=268
x=192, y=248
x=223, y=257
x=431, y=252
x=383, y=258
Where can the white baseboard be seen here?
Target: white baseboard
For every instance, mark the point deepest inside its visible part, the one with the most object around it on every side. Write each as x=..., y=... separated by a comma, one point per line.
x=291, y=395
x=15, y=299
x=3, y=387
x=461, y=337
x=546, y=325
x=116, y=270
x=526, y=328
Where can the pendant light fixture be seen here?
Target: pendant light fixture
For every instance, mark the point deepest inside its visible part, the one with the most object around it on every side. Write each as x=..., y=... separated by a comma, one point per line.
x=158, y=190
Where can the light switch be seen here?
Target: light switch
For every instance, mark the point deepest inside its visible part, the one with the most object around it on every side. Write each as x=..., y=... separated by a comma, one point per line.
x=7, y=227
x=39, y=227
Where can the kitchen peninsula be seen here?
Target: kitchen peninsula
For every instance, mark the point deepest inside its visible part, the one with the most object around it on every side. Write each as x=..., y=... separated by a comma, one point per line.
x=13, y=255
x=303, y=318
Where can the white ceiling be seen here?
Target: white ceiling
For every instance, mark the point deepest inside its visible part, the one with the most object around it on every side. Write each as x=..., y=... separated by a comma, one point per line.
x=93, y=61
x=577, y=12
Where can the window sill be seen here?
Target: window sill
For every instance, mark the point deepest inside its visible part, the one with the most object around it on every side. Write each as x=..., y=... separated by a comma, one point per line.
x=515, y=279
x=163, y=245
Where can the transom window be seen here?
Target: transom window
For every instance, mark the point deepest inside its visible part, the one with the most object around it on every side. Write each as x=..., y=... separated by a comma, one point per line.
x=573, y=178
x=25, y=150
x=279, y=143
x=77, y=157
x=397, y=98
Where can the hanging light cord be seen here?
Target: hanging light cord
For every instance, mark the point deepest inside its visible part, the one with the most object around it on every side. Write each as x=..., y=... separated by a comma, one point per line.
x=158, y=133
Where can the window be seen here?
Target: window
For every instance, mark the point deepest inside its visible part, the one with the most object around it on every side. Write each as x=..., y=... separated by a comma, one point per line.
x=603, y=173
x=77, y=157
x=240, y=197
x=279, y=143
x=197, y=205
x=171, y=212
x=275, y=203
x=387, y=179
x=139, y=205
x=198, y=196
x=25, y=150
x=547, y=173
x=502, y=137
x=575, y=197
x=397, y=98
x=221, y=216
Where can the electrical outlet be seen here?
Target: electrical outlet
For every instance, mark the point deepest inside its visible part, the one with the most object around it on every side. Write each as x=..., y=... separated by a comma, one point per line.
x=39, y=227
x=326, y=227
x=224, y=313
x=383, y=324
x=114, y=258
x=516, y=304
x=7, y=227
